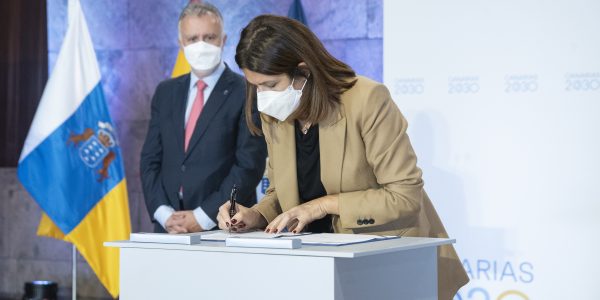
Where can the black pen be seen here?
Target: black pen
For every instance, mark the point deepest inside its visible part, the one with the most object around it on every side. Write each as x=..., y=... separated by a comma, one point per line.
x=232, y=200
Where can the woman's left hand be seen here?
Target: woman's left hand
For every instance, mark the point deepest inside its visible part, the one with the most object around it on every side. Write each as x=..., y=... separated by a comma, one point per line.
x=298, y=217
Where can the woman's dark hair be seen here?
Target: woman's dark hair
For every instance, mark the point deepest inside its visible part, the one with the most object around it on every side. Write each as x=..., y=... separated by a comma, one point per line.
x=274, y=45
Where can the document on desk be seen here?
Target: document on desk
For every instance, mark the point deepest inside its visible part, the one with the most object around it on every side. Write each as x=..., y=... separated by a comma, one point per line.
x=166, y=238
x=222, y=235
x=339, y=239
x=307, y=238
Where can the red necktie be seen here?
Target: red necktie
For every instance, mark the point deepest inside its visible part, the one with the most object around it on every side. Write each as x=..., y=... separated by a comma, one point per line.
x=195, y=114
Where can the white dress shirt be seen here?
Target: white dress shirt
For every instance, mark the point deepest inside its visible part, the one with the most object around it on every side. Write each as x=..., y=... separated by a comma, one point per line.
x=164, y=212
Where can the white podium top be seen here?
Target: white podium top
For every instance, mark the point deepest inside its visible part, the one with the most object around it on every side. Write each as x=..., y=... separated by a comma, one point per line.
x=348, y=251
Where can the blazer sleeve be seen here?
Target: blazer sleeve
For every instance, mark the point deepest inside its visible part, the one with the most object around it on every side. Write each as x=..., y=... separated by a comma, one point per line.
x=246, y=172
x=394, y=163
x=269, y=206
x=151, y=158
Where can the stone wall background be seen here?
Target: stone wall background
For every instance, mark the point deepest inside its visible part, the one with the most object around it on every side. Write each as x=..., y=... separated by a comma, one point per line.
x=136, y=46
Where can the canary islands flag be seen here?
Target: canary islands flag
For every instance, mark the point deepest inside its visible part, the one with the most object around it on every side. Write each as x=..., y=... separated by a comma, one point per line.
x=181, y=65
x=71, y=163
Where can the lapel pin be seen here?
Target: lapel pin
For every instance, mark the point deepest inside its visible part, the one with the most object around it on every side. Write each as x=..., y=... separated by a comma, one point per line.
x=225, y=92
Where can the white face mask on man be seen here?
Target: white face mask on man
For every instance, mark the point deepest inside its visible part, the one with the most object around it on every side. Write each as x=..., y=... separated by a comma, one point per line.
x=279, y=104
x=202, y=56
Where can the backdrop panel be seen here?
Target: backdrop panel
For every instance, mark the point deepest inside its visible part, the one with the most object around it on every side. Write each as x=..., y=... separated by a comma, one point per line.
x=503, y=104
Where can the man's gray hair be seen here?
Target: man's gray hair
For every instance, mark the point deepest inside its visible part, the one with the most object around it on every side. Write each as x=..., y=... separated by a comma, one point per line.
x=199, y=9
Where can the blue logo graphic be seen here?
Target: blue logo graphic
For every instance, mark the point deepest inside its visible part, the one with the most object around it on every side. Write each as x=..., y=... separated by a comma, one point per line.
x=409, y=86
x=582, y=82
x=485, y=272
x=521, y=83
x=463, y=85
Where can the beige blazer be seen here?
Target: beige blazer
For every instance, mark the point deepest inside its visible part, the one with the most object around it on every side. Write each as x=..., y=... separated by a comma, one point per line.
x=367, y=159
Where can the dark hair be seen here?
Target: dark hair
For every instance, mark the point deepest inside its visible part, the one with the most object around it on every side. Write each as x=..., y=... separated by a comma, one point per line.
x=274, y=45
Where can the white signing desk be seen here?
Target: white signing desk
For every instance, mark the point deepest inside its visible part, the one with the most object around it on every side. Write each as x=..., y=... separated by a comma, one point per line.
x=403, y=268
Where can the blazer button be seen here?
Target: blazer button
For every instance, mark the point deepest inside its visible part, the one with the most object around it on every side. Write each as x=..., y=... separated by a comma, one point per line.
x=371, y=221
x=182, y=168
x=359, y=222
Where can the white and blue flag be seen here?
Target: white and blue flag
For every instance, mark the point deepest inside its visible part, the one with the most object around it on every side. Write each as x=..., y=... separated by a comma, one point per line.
x=71, y=163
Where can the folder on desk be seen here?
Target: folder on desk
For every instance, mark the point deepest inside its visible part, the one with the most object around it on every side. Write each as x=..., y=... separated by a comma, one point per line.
x=258, y=238
x=339, y=239
x=222, y=235
x=273, y=243
x=166, y=238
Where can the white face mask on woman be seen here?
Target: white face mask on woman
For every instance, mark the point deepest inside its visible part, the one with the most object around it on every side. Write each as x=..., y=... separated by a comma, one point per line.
x=279, y=104
x=202, y=56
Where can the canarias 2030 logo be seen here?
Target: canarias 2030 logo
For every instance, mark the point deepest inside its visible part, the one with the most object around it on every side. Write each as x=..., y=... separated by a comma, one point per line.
x=496, y=273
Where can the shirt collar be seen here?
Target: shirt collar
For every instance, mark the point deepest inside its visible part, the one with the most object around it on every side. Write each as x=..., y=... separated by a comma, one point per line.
x=210, y=80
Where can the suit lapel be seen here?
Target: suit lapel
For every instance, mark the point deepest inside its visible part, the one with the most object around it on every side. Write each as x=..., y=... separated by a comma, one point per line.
x=332, y=142
x=284, y=152
x=217, y=98
x=180, y=95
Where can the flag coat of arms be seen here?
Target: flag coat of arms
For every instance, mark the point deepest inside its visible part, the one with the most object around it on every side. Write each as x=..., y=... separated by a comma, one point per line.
x=71, y=163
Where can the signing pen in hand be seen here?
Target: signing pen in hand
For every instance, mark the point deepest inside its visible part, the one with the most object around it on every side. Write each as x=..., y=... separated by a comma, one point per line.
x=232, y=200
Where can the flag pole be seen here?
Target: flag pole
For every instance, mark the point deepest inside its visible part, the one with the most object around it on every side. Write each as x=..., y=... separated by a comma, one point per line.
x=71, y=11
x=74, y=275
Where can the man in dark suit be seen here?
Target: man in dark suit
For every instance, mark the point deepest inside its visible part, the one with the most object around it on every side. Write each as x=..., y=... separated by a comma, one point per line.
x=198, y=145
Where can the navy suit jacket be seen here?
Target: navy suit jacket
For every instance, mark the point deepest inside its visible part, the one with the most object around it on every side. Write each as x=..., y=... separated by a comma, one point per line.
x=221, y=152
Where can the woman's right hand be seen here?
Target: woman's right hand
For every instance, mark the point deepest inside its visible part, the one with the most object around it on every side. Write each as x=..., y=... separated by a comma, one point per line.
x=245, y=218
